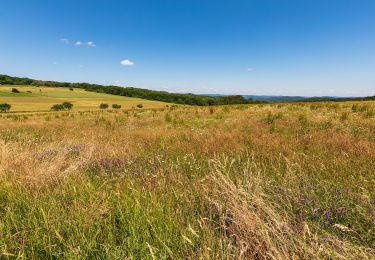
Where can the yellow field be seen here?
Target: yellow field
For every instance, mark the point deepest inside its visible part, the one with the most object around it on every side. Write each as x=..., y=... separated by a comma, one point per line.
x=42, y=98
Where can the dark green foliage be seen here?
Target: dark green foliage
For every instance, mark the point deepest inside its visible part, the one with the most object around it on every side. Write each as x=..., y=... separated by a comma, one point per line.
x=67, y=105
x=57, y=107
x=332, y=99
x=103, y=106
x=116, y=106
x=63, y=106
x=14, y=90
x=5, y=107
x=71, y=89
x=139, y=105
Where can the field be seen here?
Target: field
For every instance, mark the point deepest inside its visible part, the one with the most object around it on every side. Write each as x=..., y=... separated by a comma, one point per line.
x=42, y=98
x=271, y=181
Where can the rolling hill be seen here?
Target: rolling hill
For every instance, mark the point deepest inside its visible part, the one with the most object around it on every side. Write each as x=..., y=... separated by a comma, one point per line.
x=32, y=98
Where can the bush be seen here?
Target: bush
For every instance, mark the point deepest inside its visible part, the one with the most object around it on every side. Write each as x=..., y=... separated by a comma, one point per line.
x=67, y=105
x=139, y=105
x=14, y=90
x=103, y=106
x=5, y=107
x=71, y=89
x=57, y=107
x=116, y=106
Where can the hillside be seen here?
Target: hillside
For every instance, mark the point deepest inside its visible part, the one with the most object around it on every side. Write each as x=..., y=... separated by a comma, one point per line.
x=32, y=98
x=187, y=99
x=286, y=99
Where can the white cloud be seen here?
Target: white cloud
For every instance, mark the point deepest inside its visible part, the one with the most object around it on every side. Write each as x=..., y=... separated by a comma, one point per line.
x=91, y=44
x=79, y=43
x=127, y=63
x=65, y=41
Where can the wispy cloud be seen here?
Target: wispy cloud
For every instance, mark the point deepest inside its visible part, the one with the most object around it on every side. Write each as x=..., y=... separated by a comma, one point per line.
x=65, y=41
x=127, y=62
x=91, y=44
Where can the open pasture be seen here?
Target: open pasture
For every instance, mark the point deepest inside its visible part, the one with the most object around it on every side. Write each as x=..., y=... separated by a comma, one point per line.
x=33, y=98
x=281, y=181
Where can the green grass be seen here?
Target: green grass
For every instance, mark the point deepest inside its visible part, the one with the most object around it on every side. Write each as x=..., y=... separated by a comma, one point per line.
x=42, y=98
x=289, y=181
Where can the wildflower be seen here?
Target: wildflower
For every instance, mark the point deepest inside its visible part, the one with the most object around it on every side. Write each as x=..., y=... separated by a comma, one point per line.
x=328, y=216
x=325, y=238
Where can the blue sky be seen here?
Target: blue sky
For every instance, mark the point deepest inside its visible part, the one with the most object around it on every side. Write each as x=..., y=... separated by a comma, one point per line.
x=279, y=47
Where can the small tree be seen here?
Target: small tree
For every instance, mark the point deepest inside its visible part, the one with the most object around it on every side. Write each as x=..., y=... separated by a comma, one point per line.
x=103, y=106
x=139, y=105
x=116, y=106
x=5, y=107
x=14, y=90
x=67, y=105
x=57, y=107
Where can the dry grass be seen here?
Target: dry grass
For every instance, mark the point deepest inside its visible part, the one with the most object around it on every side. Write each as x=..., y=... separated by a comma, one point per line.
x=240, y=182
x=43, y=98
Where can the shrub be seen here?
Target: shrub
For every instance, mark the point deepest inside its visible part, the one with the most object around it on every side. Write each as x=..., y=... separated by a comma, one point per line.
x=103, y=106
x=5, y=107
x=57, y=107
x=71, y=89
x=14, y=90
x=67, y=105
x=116, y=106
x=139, y=105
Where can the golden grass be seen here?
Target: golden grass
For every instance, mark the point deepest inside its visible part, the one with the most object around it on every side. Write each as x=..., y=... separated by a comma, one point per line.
x=280, y=181
x=42, y=98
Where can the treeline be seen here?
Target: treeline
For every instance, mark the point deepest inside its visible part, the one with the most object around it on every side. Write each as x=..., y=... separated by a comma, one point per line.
x=332, y=99
x=187, y=99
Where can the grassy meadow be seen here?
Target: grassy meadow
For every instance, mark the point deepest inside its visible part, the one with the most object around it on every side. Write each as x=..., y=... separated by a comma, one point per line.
x=271, y=181
x=34, y=98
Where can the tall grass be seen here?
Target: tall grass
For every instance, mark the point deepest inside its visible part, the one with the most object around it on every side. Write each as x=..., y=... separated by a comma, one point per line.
x=241, y=182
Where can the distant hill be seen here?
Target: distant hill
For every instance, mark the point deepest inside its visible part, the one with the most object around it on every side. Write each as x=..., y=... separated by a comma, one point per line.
x=271, y=98
x=187, y=99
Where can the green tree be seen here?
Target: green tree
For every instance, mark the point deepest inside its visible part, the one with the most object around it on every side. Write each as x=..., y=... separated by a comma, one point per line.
x=5, y=107
x=67, y=105
x=57, y=107
x=103, y=106
x=116, y=106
